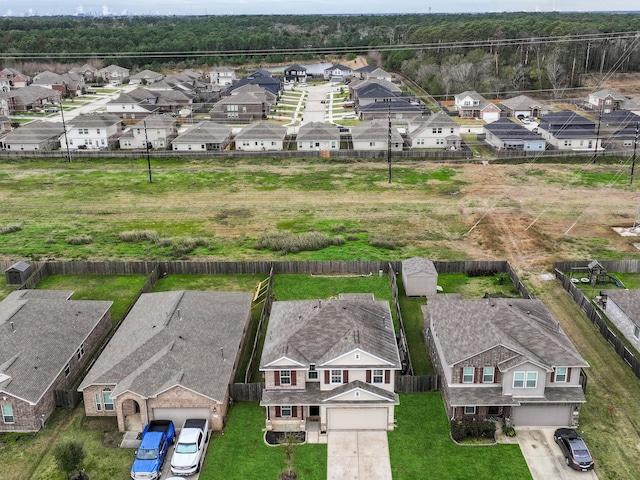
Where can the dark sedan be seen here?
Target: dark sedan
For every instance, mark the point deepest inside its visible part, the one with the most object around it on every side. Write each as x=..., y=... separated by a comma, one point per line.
x=575, y=451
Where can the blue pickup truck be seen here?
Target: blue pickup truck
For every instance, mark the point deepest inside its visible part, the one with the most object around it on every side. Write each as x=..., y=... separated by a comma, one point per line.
x=157, y=436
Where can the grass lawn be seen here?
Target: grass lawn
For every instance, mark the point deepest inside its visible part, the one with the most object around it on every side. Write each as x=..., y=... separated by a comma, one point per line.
x=242, y=454
x=306, y=287
x=411, y=308
x=4, y=288
x=121, y=289
x=475, y=287
x=420, y=447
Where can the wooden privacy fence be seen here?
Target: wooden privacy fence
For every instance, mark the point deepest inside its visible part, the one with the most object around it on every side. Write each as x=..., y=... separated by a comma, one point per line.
x=417, y=384
x=246, y=392
x=264, y=314
x=592, y=313
x=403, y=345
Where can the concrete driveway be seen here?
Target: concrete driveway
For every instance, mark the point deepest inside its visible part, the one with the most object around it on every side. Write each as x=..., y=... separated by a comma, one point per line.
x=544, y=458
x=358, y=456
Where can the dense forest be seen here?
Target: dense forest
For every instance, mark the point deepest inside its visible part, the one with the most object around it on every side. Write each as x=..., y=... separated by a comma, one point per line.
x=491, y=53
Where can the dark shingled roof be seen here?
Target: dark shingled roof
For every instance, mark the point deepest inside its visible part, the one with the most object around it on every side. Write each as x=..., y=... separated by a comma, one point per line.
x=628, y=301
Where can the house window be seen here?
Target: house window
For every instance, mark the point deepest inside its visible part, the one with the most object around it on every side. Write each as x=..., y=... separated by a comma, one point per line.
x=299, y=145
x=567, y=143
x=636, y=331
x=467, y=375
x=451, y=129
x=232, y=108
x=336, y=376
x=333, y=144
x=469, y=410
x=98, y=402
x=285, y=411
x=487, y=374
x=67, y=370
x=420, y=141
x=285, y=377
x=439, y=141
x=434, y=130
x=80, y=352
x=313, y=373
x=106, y=399
x=378, y=376
x=518, y=379
x=86, y=131
x=561, y=374
x=357, y=356
x=532, y=380
x=372, y=144
x=98, y=131
x=525, y=379
x=7, y=414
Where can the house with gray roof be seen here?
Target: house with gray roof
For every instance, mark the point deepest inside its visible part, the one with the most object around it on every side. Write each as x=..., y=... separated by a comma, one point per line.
x=502, y=357
x=88, y=72
x=203, y=137
x=93, y=131
x=114, y=74
x=374, y=135
x=567, y=130
x=605, y=100
x=173, y=357
x=338, y=73
x=524, y=105
x=145, y=77
x=330, y=365
x=438, y=130
x=222, y=77
x=316, y=136
x=623, y=309
x=505, y=134
x=31, y=98
x=618, y=129
x=158, y=130
x=33, y=136
x=241, y=106
x=470, y=104
x=261, y=136
x=46, y=340
x=295, y=73
x=632, y=104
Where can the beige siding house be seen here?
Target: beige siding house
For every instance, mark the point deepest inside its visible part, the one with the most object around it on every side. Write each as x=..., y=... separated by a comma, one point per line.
x=623, y=309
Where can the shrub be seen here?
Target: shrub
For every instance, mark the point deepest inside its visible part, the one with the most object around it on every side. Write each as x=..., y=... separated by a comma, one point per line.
x=183, y=246
x=80, y=239
x=389, y=243
x=139, y=236
x=471, y=429
x=12, y=227
x=286, y=242
x=69, y=456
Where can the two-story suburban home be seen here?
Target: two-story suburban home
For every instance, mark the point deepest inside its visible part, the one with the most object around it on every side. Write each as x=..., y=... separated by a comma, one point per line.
x=566, y=130
x=338, y=73
x=439, y=130
x=158, y=130
x=330, y=365
x=172, y=358
x=605, y=100
x=358, y=87
x=471, y=104
x=317, y=136
x=524, y=105
x=261, y=136
x=88, y=72
x=145, y=77
x=500, y=357
x=93, y=131
x=222, y=77
x=31, y=98
x=114, y=74
x=295, y=73
x=206, y=136
x=241, y=106
x=5, y=84
x=68, y=84
x=15, y=77
x=136, y=104
x=374, y=135
x=623, y=309
x=262, y=78
x=34, y=136
x=505, y=134
x=46, y=340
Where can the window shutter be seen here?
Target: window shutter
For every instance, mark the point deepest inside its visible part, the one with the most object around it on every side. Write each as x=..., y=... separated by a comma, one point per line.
x=293, y=378
x=495, y=375
x=278, y=413
x=326, y=377
x=345, y=376
x=553, y=376
x=387, y=376
x=276, y=378
x=368, y=376
x=478, y=375
x=461, y=373
x=294, y=411
x=568, y=374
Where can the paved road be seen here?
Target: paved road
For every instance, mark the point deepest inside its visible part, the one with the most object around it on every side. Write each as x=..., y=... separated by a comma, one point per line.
x=360, y=455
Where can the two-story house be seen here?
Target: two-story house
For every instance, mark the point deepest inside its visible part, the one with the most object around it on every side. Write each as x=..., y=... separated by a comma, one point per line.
x=338, y=73
x=295, y=73
x=91, y=131
x=222, y=77
x=503, y=358
x=114, y=74
x=439, y=130
x=157, y=130
x=330, y=365
x=605, y=100
x=471, y=104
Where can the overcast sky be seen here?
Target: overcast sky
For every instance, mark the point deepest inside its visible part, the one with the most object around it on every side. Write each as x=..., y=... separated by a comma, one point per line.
x=234, y=7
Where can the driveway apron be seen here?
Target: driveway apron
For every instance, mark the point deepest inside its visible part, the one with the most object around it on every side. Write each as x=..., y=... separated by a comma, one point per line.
x=360, y=455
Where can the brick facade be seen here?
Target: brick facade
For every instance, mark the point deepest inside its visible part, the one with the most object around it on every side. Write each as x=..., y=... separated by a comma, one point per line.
x=490, y=358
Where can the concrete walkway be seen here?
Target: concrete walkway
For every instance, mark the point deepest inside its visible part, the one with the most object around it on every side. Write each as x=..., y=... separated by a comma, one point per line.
x=360, y=455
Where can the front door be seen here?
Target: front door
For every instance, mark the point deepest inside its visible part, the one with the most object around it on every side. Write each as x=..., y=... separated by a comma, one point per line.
x=314, y=413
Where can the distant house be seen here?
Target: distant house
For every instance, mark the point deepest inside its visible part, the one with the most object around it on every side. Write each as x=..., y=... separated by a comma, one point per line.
x=365, y=87
x=203, y=137
x=374, y=135
x=632, y=105
x=471, y=104
x=158, y=130
x=316, y=136
x=93, y=131
x=136, y=104
x=399, y=110
x=68, y=84
x=375, y=74
x=245, y=107
x=222, y=77
x=145, y=77
x=505, y=134
x=505, y=358
x=330, y=365
x=46, y=341
x=31, y=98
x=419, y=277
x=338, y=73
x=88, y=72
x=295, y=73
x=523, y=105
x=16, y=78
x=261, y=136
x=261, y=78
x=566, y=130
x=618, y=129
x=114, y=74
x=33, y=136
x=439, y=130
x=173, y=357
x=606, y=100
x=623, y=309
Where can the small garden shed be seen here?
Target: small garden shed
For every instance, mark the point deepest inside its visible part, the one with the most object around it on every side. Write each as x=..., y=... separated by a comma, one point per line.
x=17, y=273
x=419, y=277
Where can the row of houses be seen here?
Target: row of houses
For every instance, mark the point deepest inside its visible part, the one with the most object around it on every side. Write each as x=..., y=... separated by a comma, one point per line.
x=328, y=364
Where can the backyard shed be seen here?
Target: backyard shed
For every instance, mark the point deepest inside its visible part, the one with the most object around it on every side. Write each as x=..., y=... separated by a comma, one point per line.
x=17, y=273
x=419, y=277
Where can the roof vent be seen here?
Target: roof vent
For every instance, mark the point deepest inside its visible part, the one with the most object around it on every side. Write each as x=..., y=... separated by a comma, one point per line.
x=13, y=328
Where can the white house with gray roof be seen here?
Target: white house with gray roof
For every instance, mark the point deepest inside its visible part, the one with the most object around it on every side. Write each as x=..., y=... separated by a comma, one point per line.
x=439, y=130
x=45, y=341
x=261, y=136
x=374, y=135
x=203, y=137
x=38, y=135
x=93, y=131
x=172, y=358
x=158, y=130
x=316, y=136
x=503, y=358
x=330, y=365
x=524, y=105
x=623, y=309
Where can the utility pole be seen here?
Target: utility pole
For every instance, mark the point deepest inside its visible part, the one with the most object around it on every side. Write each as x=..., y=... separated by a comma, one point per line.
x=146, y=144
x=64, y=127
x=635, y=146
x=595, y=153
x=389, y=144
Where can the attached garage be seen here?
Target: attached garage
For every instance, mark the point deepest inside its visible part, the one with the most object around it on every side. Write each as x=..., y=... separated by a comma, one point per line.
x=179, y=415
x=356, y=418
x=542, y=415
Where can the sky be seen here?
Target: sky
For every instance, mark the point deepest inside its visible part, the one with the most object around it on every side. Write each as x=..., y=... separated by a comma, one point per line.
x=296, y=7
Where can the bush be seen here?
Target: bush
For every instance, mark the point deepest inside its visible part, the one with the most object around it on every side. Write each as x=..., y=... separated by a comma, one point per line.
x=286, y=242
x=69, y=456
x=12, y=227
x=139, y=236
x=471, y=429
x=80, y=239
x=183, y=246
x=384, y=242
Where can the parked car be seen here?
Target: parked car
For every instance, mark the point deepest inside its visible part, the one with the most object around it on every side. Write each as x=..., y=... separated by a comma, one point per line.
x=575, y=450
x=189, y=452
x=157, y=436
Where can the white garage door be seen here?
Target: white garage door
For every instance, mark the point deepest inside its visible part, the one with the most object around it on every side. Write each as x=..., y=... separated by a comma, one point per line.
x=179, y=415
x=356, y=418
x=542, y=416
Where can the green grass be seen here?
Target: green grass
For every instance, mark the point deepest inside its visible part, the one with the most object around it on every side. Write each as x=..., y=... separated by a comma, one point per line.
x=223, y=283
x=413, y=319
x=4, y=288
x=420, y=447
x=242, y=454
x=476, y=287
x=306, y=287
x=121, y=289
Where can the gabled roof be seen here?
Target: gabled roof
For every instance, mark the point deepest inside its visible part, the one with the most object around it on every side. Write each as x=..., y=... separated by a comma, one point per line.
x=147, y=74
x=338, y=66
x=628, y=301
x=375, y=130
x=48, y=78
x=31, y=93
x=632, y=104
x=115, y=68
x=621, y=118
x=466, y=328
x=20, y=266
x=438, y=119
x=414, y=265
x=521, y=102
x=567, y=124
x=367, y=69
x=207, y=132
x=319, y=331
x=241, y=98
x=318, y=131
x=262, y=130
x=296, y=68
x=35, y=132
x=84, y=68
x=607, y=92
x=473, y=94
x=358, y=85
x=40, y=331
x=505, y=128
x=95, y=120
x=156, y=121
x=374, y=90
x=398, y=105
x=181, y=338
